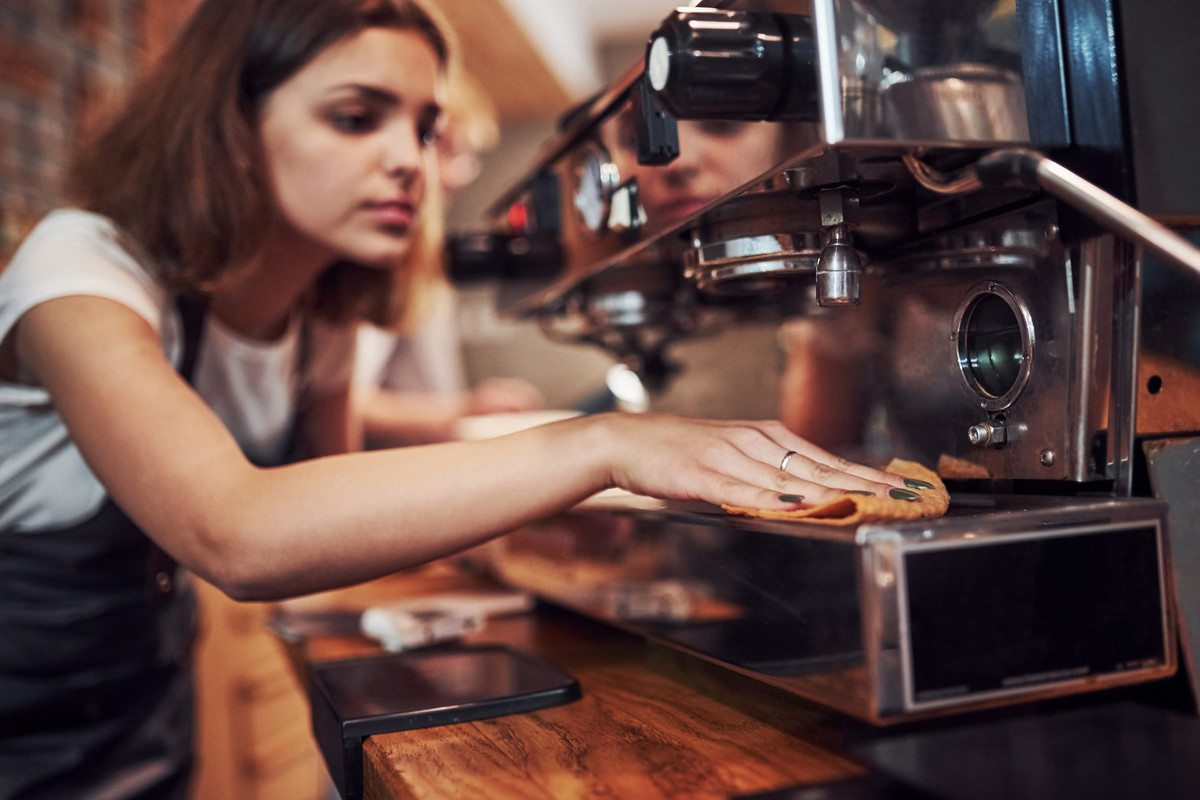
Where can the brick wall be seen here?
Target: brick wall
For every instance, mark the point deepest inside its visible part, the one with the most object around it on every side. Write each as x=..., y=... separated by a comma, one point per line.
x=62, y=63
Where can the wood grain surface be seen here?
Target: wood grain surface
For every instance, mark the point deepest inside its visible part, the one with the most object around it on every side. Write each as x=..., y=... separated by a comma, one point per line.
x=651, y=723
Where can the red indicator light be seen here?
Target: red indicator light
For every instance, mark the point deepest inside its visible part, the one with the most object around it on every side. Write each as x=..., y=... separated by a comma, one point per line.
x=518, y=218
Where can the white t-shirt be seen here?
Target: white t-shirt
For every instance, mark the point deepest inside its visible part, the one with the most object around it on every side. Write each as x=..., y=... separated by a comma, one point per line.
x=251, y=385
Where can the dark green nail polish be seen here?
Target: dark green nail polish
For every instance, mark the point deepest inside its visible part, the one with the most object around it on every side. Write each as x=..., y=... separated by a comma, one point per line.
x=790, y=498
x=903, y=494
x=913, y=483
x=859, y=492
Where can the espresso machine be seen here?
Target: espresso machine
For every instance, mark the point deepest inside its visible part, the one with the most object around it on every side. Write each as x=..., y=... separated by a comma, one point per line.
x=978, y=184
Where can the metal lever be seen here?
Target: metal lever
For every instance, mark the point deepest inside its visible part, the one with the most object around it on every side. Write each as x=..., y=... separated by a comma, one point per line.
x=657, y=131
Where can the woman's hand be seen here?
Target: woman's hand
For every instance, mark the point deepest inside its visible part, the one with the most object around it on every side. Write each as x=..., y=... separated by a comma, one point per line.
x=733, y=463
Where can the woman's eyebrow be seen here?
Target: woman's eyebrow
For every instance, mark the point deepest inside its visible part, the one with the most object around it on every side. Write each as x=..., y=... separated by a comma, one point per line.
x=383, y=96
x=369, y=92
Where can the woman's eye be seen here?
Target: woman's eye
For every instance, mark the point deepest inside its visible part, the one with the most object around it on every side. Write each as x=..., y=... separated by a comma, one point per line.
x=353, y=121
x=626, y=132
x=722, y=128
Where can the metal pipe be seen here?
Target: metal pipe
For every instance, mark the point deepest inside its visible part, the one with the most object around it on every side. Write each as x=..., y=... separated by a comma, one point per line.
x=1031, y=170
x=1124, y=219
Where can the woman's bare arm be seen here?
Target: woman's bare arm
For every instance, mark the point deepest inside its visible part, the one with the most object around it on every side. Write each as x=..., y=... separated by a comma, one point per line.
x=257, y=533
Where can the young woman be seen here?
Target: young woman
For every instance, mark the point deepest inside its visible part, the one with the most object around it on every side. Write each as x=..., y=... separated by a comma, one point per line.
x=410, y=385
x=168, y=344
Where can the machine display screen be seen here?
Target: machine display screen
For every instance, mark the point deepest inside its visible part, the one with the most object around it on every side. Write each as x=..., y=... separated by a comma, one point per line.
x=986, y=617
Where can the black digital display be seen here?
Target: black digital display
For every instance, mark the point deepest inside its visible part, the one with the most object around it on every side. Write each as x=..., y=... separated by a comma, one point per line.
x=991, y=616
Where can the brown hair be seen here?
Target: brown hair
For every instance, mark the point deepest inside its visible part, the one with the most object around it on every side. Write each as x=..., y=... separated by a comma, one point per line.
x=179, y=168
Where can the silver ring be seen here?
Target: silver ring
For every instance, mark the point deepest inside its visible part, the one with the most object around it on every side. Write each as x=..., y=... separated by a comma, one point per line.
x=786, y=458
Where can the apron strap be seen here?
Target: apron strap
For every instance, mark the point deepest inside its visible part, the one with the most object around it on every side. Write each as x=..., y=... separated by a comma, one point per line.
x=160, y=566
x=192, y=311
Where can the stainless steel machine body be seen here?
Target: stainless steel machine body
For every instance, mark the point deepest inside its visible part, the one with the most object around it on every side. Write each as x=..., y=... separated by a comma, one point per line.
x=901, y=162
x=1006, y=599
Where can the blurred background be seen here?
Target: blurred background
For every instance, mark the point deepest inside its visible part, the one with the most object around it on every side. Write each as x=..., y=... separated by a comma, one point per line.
x=62, y=61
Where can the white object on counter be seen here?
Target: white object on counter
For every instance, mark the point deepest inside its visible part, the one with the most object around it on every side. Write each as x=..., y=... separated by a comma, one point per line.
x=426, y=620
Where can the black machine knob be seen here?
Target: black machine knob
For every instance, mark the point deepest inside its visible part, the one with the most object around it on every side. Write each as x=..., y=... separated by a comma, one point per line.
x=706, y=63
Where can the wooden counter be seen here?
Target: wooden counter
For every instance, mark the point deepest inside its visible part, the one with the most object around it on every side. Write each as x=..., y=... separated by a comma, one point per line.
x=651, y=723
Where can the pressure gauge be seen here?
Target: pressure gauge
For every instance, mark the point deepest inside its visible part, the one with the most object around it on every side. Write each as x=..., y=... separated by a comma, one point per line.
x=595, y=177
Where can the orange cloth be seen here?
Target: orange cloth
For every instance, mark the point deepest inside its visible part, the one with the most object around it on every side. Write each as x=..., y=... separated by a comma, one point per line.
x=853, y=509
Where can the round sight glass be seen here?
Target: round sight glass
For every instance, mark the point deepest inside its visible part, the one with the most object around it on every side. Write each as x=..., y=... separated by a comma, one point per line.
x=994, y=348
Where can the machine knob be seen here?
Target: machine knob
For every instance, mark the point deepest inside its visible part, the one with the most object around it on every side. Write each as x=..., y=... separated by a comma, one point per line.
x=985, y=434
x=706, y=63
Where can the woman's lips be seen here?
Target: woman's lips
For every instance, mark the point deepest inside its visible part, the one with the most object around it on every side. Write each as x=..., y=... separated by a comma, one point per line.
x=397, y=214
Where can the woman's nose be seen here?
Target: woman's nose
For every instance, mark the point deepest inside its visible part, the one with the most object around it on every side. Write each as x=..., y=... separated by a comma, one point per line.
x=680, y=171
x=403, y=154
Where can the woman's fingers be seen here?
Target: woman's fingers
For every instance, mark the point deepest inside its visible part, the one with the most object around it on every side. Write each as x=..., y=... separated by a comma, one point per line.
x=819, y=456
x=842, y=476
x=737, y=463
x=733, y=492
x=774, y=446
x=811, y=480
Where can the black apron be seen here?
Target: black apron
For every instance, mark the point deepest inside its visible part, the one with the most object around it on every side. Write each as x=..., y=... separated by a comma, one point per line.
x=96, y=625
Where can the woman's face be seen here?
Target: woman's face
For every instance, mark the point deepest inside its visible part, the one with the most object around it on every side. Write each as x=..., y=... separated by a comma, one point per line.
x=715, y=156
x=347, y=145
